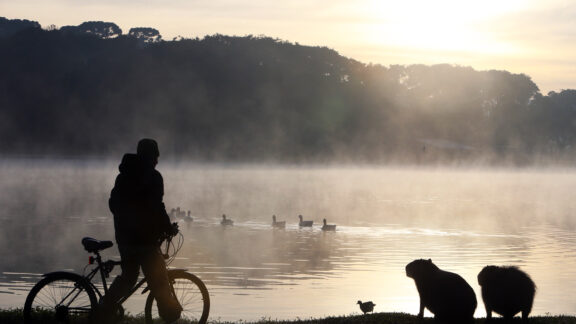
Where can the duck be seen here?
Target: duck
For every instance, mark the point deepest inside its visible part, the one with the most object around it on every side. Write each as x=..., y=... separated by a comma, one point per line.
x=366, y=307
x=188, y=218
x=327, y=227
x=276, y=224
x=304, y=223
x=226, y=221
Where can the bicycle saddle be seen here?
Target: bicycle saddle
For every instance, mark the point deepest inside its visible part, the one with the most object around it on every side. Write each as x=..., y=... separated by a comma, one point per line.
x=93, y=245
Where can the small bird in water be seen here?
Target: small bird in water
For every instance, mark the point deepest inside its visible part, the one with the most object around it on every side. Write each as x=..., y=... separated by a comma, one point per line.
x=304, y=223
x=366, y=307
x=277, y=224
x=226, y=221
x=327, y=227
x=188, y=218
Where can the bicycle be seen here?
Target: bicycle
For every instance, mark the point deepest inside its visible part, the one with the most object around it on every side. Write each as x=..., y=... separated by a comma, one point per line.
x=68, y=297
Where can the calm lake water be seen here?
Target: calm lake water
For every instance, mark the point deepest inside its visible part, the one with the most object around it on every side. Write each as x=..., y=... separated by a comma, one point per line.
x=386, y=217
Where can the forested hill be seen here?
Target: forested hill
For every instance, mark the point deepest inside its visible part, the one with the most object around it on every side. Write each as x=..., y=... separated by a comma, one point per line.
x=90, y=90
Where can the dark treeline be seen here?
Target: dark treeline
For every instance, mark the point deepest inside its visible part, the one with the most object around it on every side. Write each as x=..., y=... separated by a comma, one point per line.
x=90, y=90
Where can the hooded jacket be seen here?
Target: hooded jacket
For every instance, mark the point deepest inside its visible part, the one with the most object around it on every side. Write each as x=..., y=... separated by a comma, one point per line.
x=136, y=201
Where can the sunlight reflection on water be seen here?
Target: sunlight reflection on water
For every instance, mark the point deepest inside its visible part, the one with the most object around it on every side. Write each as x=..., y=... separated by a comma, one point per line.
x=368, y=263
x=463, y=220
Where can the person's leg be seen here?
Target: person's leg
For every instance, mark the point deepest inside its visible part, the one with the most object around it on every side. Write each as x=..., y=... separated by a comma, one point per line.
x=154, y=268
x=127, y=279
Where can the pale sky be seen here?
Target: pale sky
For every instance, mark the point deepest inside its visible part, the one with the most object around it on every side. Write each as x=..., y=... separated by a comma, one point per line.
x=534, y=37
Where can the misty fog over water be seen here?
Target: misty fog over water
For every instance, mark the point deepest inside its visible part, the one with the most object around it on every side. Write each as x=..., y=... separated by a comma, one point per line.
x=386, y=217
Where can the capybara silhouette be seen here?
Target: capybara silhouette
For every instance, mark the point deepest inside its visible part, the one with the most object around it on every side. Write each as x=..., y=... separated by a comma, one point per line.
x=447, y=295
x=506, y=291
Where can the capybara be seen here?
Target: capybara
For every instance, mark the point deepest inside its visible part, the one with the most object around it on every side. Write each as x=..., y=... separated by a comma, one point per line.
x=506, y=291
x=447, y=295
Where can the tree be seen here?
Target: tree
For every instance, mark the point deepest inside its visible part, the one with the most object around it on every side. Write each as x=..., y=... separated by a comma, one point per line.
x=104, y=30
x=260, y=98
x=145, y=34
x=10, y=27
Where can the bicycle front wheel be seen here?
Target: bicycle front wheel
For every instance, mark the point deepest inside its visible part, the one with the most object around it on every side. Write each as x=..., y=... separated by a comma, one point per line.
x=61, y=297
x=190, y=292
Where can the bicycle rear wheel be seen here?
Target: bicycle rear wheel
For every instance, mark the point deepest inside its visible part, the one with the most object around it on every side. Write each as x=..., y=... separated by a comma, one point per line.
x=190, y=292
x=61, y=297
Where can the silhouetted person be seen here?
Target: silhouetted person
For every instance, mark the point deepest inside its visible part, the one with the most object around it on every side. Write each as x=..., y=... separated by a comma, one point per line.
x=140, y=221
x=447, y=295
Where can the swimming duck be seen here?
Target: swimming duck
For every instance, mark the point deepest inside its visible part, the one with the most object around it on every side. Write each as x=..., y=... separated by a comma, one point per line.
x=188, y=218
x=276, y=224
x=327, y=227
x=366, y=307
x=226, y=221
x=304, y=223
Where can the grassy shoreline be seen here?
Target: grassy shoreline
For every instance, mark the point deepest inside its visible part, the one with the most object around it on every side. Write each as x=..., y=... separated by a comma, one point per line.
x=14, y=316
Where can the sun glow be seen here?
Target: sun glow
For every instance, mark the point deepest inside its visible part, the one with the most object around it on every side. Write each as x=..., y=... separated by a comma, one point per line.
x=445, y=25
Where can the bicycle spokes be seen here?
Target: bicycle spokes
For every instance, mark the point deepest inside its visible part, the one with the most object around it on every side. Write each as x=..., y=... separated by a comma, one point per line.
x=62, y=297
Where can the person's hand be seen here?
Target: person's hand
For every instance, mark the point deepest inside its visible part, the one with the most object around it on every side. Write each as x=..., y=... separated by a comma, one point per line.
x=173, y=229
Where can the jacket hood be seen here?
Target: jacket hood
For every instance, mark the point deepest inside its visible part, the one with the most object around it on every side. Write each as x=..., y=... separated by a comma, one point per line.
x=131, y=163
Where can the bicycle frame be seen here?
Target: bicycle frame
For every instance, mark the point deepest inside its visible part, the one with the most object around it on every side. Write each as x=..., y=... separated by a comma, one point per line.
x=104, y=267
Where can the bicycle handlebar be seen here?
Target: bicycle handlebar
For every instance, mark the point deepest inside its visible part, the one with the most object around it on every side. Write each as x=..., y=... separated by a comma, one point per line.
x=167, y=236
x=167, y=239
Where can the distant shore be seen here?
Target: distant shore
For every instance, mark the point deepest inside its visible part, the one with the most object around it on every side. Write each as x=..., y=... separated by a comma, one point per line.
x=14, y=316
